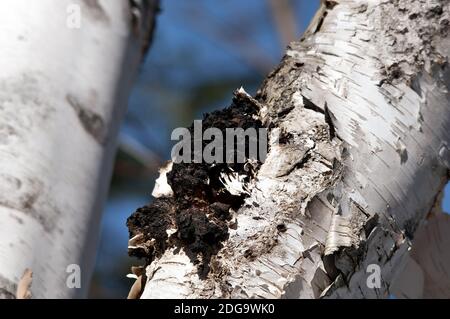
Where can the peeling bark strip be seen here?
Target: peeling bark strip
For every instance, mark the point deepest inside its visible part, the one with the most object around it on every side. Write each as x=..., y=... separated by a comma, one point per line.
x=24, y=285
x=360, y=108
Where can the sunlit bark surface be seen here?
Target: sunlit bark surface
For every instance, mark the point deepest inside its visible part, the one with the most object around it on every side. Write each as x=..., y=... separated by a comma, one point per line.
x=362, y=102
x=63, y=91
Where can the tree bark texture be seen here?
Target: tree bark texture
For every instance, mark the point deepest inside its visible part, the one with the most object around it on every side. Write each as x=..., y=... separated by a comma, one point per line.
x=63, y=92
x=359, y=119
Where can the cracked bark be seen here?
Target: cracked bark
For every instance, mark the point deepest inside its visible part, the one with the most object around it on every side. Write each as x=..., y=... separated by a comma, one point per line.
x=366, y=88
x=62, y=94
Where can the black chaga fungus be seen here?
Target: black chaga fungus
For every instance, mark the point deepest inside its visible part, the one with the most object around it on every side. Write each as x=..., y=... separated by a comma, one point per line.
x=199, y=212
x=221, y=210
x=151, y=222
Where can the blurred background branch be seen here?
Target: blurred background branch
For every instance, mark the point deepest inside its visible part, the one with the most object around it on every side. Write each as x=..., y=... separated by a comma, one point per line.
x=285, y=20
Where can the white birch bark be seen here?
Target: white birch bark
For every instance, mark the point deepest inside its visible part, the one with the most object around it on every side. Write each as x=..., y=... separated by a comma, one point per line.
x=63, y=92
x=364, y=96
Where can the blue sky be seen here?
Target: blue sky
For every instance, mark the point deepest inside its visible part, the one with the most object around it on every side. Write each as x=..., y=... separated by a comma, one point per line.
x=446, y=205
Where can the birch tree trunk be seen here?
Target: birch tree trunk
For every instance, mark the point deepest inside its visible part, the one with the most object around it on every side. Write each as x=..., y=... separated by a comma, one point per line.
x=361, y=103
x=63, y=91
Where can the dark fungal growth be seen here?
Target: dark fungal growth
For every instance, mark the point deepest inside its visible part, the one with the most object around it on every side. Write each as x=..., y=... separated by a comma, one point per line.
x=199, y=214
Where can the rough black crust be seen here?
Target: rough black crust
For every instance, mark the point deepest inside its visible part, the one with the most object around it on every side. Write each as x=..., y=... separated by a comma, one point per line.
x=200, y=208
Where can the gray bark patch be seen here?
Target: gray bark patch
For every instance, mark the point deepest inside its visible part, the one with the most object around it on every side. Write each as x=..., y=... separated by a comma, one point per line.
x=7, y=288
x=30, y=197
x=7, y=132
x=399, y=33
x=91, y=121
x=23, y=106
x=96, y=11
